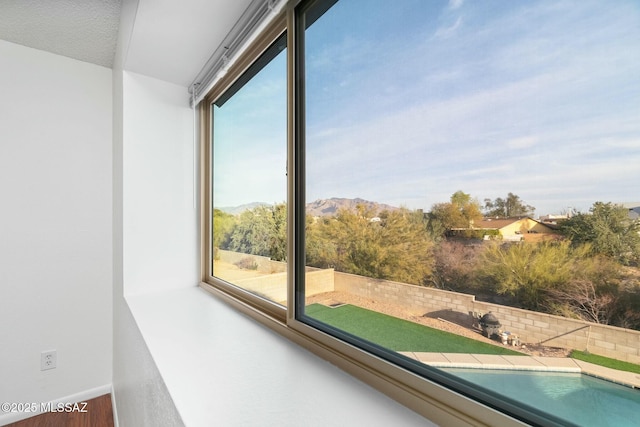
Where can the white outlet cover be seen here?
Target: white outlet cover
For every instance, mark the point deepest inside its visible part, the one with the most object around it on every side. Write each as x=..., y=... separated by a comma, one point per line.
x=48, y=360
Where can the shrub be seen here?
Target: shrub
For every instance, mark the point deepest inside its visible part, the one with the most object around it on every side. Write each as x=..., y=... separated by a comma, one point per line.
x=247, y=263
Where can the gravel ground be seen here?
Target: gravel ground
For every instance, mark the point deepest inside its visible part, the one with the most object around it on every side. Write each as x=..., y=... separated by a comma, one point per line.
x=331, y=298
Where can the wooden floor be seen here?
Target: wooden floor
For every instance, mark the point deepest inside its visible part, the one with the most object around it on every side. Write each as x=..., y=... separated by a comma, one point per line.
x=98, y=414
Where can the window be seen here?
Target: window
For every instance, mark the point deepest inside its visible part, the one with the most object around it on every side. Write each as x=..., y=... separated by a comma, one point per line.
x=249, y=183
x=445, y=160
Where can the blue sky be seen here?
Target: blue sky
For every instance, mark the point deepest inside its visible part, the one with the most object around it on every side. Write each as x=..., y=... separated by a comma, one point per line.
x=250, y=130
x=410, y=101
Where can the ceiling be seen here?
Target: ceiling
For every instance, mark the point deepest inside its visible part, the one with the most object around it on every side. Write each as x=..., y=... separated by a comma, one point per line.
x=170, y=40
x=86, y=30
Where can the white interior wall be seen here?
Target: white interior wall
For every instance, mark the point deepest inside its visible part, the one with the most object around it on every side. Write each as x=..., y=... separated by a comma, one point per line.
x=159, y=216
x=157, y=221
x=55, y=226
x=140, y=395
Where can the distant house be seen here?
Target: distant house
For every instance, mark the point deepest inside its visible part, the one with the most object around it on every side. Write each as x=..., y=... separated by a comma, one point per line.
x=509, y=229
x=554, y=219
x=634, y=210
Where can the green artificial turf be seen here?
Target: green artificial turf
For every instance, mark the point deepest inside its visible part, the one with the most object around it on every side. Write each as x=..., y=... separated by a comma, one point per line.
x=398, y=334
x=605, y=361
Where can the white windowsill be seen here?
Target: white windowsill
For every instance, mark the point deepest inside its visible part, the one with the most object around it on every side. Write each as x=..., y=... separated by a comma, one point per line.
x=220, y=365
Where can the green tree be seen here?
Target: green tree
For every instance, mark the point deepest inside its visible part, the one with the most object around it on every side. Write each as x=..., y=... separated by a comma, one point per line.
x=609, y=230
x=510, y=206
x=563, y=279
x=392, y=246
x=528, y=272
x=223, y=224
x=320, y=250
x=261, y=231
x=459, y=212
x=278, y=243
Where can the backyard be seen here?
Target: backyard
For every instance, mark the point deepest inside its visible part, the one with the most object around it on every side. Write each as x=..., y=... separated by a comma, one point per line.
x=383, y=330
x=453, y=329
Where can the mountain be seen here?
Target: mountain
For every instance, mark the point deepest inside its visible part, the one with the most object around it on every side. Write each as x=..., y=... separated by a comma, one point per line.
x=237, y=210
x=320, y=207
x=329, y=207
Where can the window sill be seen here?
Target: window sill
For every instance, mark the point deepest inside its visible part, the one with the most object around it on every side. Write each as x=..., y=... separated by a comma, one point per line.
x=220, y=365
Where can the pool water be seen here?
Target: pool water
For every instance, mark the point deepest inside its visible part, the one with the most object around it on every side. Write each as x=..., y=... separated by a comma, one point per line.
x=577, y=398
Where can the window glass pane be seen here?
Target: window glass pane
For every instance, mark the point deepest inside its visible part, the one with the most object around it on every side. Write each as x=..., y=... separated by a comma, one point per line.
x=465, y=158
x=249, y=179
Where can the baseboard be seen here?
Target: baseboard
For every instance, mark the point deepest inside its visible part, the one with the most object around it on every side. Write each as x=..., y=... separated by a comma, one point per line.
x=114, y=408
x=12, y=417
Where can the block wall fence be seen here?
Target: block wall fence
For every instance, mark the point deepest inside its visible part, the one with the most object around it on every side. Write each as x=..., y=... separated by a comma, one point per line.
x=273, y=283
x=264, y=264
x=532, y=327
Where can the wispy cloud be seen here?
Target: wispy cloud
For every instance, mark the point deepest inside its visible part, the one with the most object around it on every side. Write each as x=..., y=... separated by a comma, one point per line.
x=475, y=142
x=455, y=4
x=540, y=99
x=448, y=31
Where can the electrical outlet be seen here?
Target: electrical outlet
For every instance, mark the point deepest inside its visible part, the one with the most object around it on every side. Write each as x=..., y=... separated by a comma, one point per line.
x=48, y=360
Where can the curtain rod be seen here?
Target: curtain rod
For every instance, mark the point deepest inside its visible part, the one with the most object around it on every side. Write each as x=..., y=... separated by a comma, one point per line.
x=258, y=13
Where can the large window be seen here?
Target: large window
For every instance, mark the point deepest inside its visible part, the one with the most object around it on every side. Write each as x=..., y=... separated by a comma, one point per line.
x=414, y=107
x=249, y=183
x=461, y=192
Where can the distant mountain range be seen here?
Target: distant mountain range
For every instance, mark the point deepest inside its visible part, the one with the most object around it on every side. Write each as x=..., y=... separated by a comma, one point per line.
x=320, y=207
x=329, y=207
x=236, y=210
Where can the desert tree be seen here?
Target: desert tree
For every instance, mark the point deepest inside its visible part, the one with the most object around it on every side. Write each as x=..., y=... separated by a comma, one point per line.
x=393, y=245
x=528, y=272
x=609, y=230
x=459, y=212
x=261, y=231
x=455, y=265
x=223, y=224
x=593, y=293
x=510, y=206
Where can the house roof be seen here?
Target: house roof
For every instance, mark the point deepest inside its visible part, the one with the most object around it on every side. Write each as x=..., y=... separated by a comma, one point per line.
x=500, y=223
x=495, y=223
x=634, y=206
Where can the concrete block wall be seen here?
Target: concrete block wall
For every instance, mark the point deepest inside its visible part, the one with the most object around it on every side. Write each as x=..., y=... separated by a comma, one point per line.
x=530, y=326
x=556, y=331
x=264, y=264
x=319, y=281
x=270, y=286
x=274, y=286
x=417, y=300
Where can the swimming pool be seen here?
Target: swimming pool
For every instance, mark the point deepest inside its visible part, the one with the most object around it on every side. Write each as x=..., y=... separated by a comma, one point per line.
x=577, y=398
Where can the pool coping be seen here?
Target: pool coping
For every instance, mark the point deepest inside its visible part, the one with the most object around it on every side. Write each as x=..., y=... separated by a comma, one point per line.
x=525, y=363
